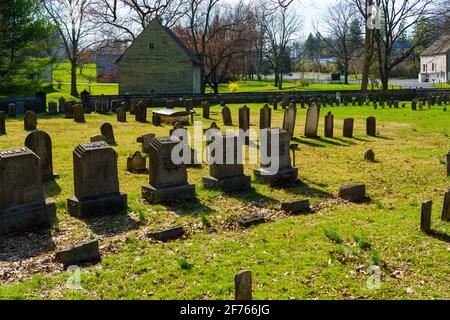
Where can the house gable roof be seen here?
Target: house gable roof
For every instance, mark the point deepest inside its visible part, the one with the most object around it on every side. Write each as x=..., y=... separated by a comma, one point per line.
x=440, y=46
x=196, y=60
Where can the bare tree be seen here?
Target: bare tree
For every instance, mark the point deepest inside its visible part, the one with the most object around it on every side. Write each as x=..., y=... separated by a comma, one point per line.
x=71, y=18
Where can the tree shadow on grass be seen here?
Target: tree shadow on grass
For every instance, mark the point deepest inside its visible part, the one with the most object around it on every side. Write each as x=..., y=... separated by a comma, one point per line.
x=383, y=137
x=439, y=236
x=303, y=188
x=189, y=207
x=52, y=188
x=25, y=245
x=251, y=196
x=316, y=142
x=112, y=224
x=360, y=139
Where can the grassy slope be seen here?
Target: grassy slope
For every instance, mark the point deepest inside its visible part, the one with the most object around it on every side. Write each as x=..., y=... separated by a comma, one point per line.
x=290, y=257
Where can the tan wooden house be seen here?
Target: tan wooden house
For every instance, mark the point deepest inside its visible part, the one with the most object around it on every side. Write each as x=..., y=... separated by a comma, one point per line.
x=158, y=62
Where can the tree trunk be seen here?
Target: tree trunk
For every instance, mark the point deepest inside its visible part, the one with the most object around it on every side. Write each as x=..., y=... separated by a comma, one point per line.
x=346, y=75
x=368, y=48
x=277, y=78
x=216, y=88
x=73, y=83
x=280, y=82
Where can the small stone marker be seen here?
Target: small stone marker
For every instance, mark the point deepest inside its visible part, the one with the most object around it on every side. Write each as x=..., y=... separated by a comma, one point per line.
x=246, y=221
x=414, y=105
x=348, y=128
x=369, y=155
x=446, y=207
x=121, y=114
x=205, y=109
x=41, y=144
x=329, y=125
x=96, y=182
x=52, y=108
x=107, y=130
x=30, y=120
x=12, y=110
x=78, y=113
x=136, y=163
x=68, y=109
x=296, y=206
x=86, y=252
x=353, y=192
x=371, y=126
x=2, y=123
x=98, y=138
x=167, y=234
x=226, y=116
x=290, y=115
x=144, y=140
x=265, y=117
x=140, y=112
x=243, y=285
x=244, y=121
x=312, y=121
x=425, y=216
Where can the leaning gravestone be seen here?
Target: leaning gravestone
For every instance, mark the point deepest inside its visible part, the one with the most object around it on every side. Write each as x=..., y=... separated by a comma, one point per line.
x=312, y=121
x=121, y=114
x=2, y=123
x=41, y=144
x=52, y=108
x=145, y=141
x=329, y=125
x=22, y=200
x=265, y=117
x=371, y=126
x=425, y=216
x=140, y=112
x=107, y=130
x=226, y=172
x=68, y=109
x=136, y=163
x=243, y=285
x=369, y=155
x=353, y=192
x=348, y=128
x=290, y=115
x=206, y=109
x=244, y=121
x=275, y=159
x=30, y=120
x=96, y=182
x=167, y=180
x=226, y=116
x=98, y=138
x=78, y=113
x=12, y=110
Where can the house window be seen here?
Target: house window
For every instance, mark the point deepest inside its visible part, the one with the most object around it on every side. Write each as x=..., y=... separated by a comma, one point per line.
x=424, y=68
x=151, y=45
x=432, y=66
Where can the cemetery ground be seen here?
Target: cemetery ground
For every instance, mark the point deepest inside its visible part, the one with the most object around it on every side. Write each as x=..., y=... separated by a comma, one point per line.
x=322, y=255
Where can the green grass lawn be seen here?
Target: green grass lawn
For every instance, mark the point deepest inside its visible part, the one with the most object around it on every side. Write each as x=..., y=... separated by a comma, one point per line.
x=324, y=255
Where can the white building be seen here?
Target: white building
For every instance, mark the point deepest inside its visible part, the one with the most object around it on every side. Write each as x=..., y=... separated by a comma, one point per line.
x=435, y=62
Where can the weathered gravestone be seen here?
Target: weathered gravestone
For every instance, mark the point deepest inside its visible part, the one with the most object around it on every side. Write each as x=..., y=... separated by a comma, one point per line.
x=265, y=117
x=80, y=253
x=86, y=101
x=369, y=155
x=22, y=201
x=353, y=192
x=170, y=104
x=96, y=182
x=414, y=105
x=61, y=103
x=189, y=104
x=12, y=110
x=226, y=116
x=348, y=128
x=226, y=169
x=41, y=144
x=115, y=104
x=425, y=216
x=312, y=121
x=243, y=285
x=98, y=138
x=140, y=112
x=102, y=106
x=2, y=123
x=446, y=207
x=290, y=115
x=136, y=163
x=78, y=113
x=30, y=121
x=329, y=125
x=144, y=140
x=52, y=108
x=371, y=126
x=107, y=130
x=68, y=109
x=167, y=180
x=244, y=122
x=421, y=105
x=205, y=109
x=121, y=114
x=275, y=158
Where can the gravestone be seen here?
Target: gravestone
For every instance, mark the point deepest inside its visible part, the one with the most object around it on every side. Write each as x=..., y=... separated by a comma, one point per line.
x=98, y=138
x=425, y=216
x=96, y=183
x=166, y=235
x=78, y=113
x=61, y=102
x=226, y=169
x=421, y=105
x=205, y=109
x=353, y=192
x=42, y=101
x=290, y=115
x=107, y=130
x=170, y=104
x=81, y=253
x=52, y=108
x=244, y=122
x=446, y=207
x=329, y=125
x=448, y=164
x=226, y=116
x=144, y=140
x=167, y=180
x=348, y=128
x=312, y=121
x=121, y=114
x=12, y=111
x=85, y=98
x=136, y=163
x=115, y=104
x=140, y=112
x=189, y=104
x=22, y=200
x=275, y=104
x=369, y=155
x=176, y=126
x=275, y=158
x=68, y=109
x=30, y=120
x=371, y=126
x=265, y=117
x=2, y=123
x=243, y=285
x=41, y=144
x=414, y=105
x=396, y=104
x=296, y=206
x=102, y=105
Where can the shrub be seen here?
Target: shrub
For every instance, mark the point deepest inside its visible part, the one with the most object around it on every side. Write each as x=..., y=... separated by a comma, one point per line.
x=233, y=86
